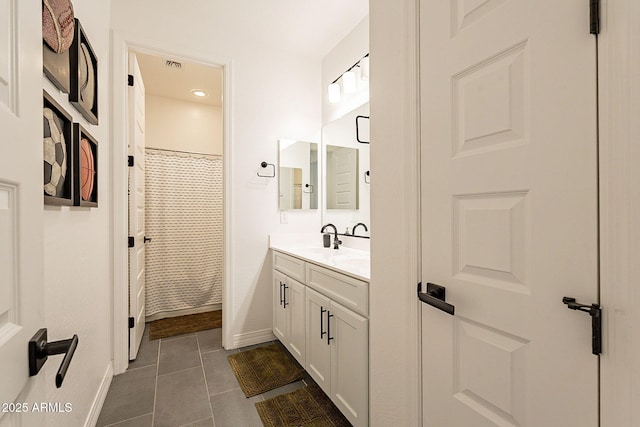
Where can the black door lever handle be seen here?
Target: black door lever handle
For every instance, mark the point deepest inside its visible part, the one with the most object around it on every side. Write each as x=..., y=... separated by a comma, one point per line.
x=435, y=296
x=40, y=350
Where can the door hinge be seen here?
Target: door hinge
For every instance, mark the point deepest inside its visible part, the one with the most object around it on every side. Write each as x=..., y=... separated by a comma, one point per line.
x=595, y=311
x=132, y=322
x=130, y=80
x=132, y=241
x=130, y=161
x=594, y=17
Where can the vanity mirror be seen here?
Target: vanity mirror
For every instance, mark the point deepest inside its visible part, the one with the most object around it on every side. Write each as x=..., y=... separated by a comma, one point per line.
x=298, y=174
x=346, y=184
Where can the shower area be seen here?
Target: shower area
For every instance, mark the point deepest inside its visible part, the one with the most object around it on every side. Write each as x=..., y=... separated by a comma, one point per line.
x=183, y=187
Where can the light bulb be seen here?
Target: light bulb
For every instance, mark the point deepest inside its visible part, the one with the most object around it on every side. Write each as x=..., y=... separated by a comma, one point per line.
x=334, y=93
x=364, y=68
x=199, y=93
x=349, y=82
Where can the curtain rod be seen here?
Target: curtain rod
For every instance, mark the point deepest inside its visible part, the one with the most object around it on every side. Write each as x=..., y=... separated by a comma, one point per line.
x=184, y=152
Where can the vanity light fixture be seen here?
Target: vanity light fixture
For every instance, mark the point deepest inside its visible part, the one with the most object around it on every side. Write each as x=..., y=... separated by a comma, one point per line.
x=349, y=80
x=334, y=93
x=199, y=93
x=364, y=68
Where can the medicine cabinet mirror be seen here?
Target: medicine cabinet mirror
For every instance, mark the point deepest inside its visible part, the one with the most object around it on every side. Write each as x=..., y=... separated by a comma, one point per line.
x=298, y=177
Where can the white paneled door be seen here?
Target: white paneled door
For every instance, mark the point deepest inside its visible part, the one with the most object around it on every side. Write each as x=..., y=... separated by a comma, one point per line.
x=509, y=212
x=21, y=196
x=137, y=288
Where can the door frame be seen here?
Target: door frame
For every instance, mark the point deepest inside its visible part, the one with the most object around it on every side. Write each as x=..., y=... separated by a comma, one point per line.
x=619, y=133
x=121, y=44
x=395, y=396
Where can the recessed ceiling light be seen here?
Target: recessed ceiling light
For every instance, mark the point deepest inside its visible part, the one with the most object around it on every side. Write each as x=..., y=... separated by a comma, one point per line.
x=198, y=92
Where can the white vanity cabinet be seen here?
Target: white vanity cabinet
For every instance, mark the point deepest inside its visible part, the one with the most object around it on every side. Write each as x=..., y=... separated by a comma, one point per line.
x=289, y=313
x=334, y=329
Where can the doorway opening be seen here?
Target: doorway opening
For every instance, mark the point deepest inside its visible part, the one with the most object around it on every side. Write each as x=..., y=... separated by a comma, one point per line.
x=176, y=209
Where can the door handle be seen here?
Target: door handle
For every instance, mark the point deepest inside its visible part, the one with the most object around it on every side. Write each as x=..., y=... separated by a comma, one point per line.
x=40, y=349
x=329, y=337
x=595, y=311
x=285, y=287
x=281, y=293
x=322, y=332
x=435, y=296
x=147, y=239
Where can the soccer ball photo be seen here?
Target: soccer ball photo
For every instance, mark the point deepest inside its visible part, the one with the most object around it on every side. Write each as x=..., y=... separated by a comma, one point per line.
x=55, y=155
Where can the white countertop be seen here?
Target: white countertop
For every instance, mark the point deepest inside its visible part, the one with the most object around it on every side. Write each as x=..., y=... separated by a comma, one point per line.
x=349, y=261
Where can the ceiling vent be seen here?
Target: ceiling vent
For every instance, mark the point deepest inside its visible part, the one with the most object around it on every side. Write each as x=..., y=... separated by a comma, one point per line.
x=173, y=64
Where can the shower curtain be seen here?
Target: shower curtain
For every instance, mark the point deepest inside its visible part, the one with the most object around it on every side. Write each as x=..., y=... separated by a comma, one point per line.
x=184, y=220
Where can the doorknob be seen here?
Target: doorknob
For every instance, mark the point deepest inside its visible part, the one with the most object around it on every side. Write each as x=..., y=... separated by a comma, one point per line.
x=435, y=296
x=40, y=349
x=147, y=239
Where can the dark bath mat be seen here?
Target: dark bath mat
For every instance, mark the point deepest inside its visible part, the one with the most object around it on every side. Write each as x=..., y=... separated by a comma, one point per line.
x=188, y=324
x=307, y=406
x=264, y=368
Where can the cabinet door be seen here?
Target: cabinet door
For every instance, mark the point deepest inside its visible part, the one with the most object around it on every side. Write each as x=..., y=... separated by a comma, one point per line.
x=349, y=363
x=318, y=350
x=295, y=308
x=279, y=311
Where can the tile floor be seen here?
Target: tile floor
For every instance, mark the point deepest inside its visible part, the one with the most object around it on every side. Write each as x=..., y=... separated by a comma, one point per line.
x=182, y=381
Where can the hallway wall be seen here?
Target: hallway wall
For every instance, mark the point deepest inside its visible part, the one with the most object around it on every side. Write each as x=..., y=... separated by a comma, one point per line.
x=77, y=255
x=274, y=95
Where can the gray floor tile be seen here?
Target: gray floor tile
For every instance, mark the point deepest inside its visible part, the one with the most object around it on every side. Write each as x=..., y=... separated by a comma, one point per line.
x=143, y=421
x=202, y=423
x=233, y=409
x=220, y=376
x=178, y=354
x=210, y=340
x=181, y=398
x=131, y=394
x=177, y=337
x=284, y=389
x=147, y=355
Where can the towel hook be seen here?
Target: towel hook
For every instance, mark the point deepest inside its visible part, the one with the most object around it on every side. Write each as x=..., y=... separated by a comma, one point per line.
x=264, y=165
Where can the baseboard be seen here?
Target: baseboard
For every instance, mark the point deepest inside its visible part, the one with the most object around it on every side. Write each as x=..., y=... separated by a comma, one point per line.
x=98, y=401
x=251, y=338
x=183, y=312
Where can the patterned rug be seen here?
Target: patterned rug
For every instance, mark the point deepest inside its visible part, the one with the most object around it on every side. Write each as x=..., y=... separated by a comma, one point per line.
x=188, y=324
x=264, y=368
x=307, y=406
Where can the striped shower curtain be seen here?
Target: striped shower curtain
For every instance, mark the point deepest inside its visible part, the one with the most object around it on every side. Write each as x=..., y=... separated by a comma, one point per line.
x=184, y=220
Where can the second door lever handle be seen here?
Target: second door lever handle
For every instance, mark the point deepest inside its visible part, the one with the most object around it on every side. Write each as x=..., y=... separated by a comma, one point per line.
x=435, y=297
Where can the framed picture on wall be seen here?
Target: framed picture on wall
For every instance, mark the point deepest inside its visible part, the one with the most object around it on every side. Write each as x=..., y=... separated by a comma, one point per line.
x=56, y=67
x=85, y=167
x=57, y=153
x=83, y=93
x=57, y=37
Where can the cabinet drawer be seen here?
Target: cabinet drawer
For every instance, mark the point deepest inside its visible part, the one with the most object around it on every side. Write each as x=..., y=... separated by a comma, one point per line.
x=292, y=267
x=350, y=292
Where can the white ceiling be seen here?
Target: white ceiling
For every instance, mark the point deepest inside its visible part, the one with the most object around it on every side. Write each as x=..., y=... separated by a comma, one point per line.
x=178, y=83
x=308, y=28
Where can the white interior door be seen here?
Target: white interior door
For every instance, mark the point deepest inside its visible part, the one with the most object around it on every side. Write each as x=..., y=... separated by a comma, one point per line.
x=342, y=167
x=509, y=212
x=21, y=194
x=137, y=253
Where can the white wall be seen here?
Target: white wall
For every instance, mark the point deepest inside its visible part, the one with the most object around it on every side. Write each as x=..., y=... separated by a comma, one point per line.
x=274, y=95
x=77, y=254
x=173, y=124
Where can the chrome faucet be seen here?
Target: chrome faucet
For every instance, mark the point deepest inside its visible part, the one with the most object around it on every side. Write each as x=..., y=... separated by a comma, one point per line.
x=353, y=231
x=336, y=242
